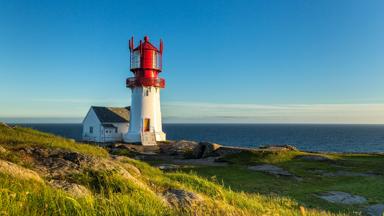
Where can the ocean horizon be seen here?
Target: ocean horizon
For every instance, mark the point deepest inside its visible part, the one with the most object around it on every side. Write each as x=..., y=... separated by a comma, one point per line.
x=307, y=137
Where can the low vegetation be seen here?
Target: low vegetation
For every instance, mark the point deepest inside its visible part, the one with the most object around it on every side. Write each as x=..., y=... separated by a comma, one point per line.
x=357, y=174
x=81, y=179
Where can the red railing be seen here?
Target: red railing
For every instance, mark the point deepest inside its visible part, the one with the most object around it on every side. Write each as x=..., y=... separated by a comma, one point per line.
x=144, y=81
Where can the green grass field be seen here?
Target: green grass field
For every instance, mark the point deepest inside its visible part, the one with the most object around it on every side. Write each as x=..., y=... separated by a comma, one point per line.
x=238, y=178
x=228, y=190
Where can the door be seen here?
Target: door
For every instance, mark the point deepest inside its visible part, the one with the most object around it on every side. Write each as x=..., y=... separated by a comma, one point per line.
x=146, y=124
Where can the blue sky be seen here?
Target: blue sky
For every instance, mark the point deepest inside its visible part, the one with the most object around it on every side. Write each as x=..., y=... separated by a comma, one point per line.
x=281, y=61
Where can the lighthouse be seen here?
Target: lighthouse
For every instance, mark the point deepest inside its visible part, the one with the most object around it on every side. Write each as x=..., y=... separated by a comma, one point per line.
x=145, y=114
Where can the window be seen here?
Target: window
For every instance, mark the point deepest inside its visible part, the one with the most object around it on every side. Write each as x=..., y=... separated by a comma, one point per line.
x=135, y=59
x=90, y=129
x=156, y=60
x=115, y=130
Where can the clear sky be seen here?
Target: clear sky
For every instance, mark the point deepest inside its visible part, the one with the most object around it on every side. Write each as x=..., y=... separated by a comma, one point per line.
x=224, y=61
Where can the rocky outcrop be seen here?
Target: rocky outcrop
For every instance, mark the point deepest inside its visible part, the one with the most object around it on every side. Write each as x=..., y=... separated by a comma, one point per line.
x=4, y=125
x=313, y=158
x=342, y=198
x=346, y=174
x=205, y=149
x=58, y=164
x=180, y=148
x=19, y=172
x=195, y=150
x=181, y=198
x=279, y=147
x=129, y=167
x=3, y=150
x=75, y=190
x=375, y=210
x=271, y=169
x=168, y=167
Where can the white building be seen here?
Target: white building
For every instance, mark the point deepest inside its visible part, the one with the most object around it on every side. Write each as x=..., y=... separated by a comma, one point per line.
x=146, y=64
x=106, y=124
x=145, y=116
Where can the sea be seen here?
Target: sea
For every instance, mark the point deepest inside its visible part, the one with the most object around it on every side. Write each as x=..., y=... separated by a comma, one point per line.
x=308, y=137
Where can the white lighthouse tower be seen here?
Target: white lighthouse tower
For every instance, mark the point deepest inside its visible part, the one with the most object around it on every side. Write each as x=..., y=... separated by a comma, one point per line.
x=145, y=116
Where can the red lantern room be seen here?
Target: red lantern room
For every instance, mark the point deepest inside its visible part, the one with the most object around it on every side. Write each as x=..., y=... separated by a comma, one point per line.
x=146, y=64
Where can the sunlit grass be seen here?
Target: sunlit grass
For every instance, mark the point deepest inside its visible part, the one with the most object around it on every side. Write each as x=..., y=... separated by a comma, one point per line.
x=20, y=137
x=114, y=194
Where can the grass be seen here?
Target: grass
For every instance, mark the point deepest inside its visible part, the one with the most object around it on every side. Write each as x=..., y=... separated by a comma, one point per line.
x=238, y=178
x=20, y=137
x=232, y=192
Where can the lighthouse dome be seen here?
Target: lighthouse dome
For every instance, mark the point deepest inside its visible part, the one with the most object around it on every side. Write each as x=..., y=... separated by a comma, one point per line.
x=146, y=59
x=147, y=45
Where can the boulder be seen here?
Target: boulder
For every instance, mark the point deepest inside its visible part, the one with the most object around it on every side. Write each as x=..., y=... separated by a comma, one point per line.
x=271, y=169
x=124, y=162
x=20, y=172
x=347, y=174
x=313, y=158
x=3, y=150
x=73, y=157
x=205, y=149
x=166, y=167
x=279, y=147
x=181, y=198
x=4, y=125
x=228, y=150
x=179, y=148
x=340, y=197
x=75, y=190
x=375, y=210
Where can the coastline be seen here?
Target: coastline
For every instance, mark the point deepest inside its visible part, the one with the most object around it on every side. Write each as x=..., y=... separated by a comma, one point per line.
x=312, y=138
x=183, y=177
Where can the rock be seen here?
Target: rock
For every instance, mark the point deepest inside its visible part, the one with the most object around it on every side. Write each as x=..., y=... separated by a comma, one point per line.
x=3, y=150
x=73, y=157
x=181, y=198
x=279, y=147
x=71, y=188
x=209, y=149
x=342, y=198
x=198, y=152
x=375, y=210
x=208, y=161
x=179, y=148
x=17, y=171
x=124, y=162
x=347, y=174
x=313, y=158
x=59, y=163
x=4, y=125
x=150, y=153
x=271, y=169
x=228, y=150
x=168, y=166
x=205, y=149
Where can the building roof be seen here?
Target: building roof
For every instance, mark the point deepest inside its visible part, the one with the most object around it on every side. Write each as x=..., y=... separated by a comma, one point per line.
x=108, y=126
x=112, y=114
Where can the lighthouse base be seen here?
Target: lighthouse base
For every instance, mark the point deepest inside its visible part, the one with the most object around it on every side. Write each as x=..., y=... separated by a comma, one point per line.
x=145, y=138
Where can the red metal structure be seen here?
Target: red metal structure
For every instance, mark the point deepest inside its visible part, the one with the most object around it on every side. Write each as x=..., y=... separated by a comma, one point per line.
x=146, y=64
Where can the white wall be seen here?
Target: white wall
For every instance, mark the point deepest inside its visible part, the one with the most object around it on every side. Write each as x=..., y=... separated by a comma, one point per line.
x=99, y=132
x=91, y=120
x=145, y=103
x=110, y=134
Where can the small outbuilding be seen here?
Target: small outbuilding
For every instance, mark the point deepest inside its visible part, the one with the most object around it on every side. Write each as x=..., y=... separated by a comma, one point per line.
x=106, y=124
